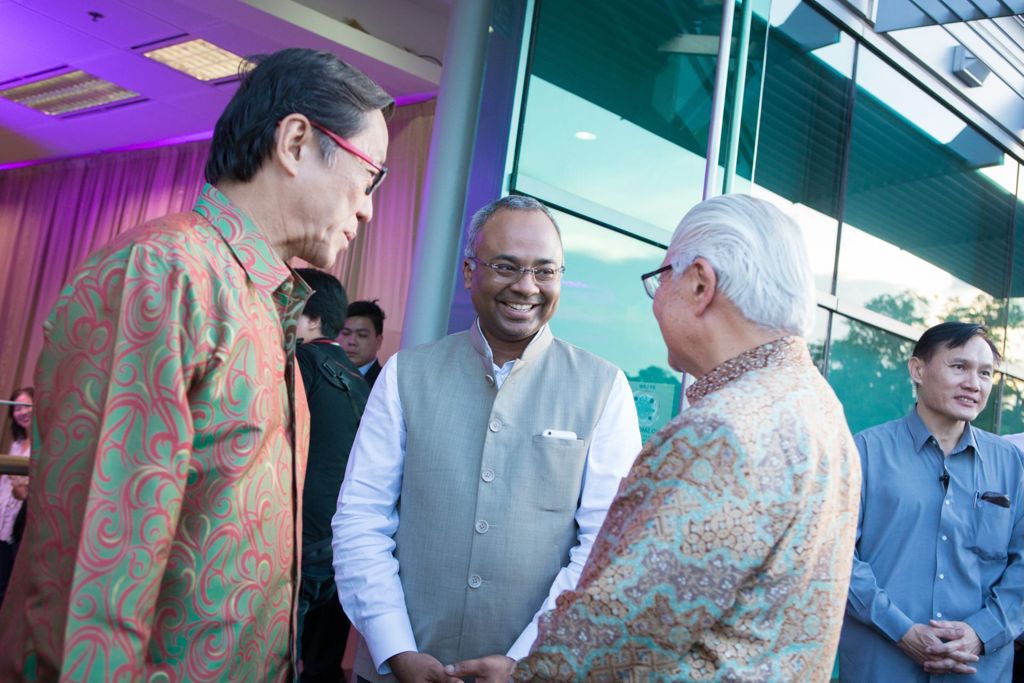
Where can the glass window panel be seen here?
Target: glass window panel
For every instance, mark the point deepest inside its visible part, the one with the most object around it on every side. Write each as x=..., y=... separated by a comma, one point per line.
x=806, y=98
x=928, y=207
x=868, y=371
x=1012, y=406
x=816, y=340
x=987, y=418
x=1014, y=350
x=604, y=309
x=617, y=109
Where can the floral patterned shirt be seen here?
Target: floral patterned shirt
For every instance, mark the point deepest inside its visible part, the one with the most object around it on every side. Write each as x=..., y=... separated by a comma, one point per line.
x=726, y=554
x=166, y=478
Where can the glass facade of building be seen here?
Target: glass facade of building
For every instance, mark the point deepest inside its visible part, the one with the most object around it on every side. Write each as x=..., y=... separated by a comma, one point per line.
x=911, y=213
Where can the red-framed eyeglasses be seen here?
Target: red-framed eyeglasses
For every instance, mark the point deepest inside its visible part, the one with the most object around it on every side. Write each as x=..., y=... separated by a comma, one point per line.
x=380, y=171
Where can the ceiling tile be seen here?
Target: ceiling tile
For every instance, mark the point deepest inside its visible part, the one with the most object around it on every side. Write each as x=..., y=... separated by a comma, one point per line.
x=118, y=24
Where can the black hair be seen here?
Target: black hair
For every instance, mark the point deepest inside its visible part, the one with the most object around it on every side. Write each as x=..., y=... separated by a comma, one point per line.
x=952, y=334
x=368, y=309
x=327, y=303
x=296, y=80
x=17, y=431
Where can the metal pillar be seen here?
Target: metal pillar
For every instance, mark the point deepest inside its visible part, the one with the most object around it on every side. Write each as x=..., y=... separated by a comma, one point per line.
x=444, y=190
x=718, y=99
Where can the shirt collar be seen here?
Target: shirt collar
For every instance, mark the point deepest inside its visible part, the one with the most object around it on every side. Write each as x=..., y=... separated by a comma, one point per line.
x=537, y=346
x=366, y=368
x=919, y=434
x=264, y=267
x=780, y=352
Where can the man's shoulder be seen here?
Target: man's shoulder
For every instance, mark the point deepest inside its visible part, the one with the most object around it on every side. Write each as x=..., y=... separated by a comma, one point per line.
x=883, y=430
x=993, y=443
x=583, y=356
x=430, y=350
x=333, y=352
x=167, y=241
x=329, y=361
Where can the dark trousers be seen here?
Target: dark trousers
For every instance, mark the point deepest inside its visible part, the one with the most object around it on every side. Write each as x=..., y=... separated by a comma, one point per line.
x=323, y=627
x=8, y=551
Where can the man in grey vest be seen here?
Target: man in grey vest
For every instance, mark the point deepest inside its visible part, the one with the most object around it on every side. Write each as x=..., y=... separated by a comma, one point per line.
x=482, y=471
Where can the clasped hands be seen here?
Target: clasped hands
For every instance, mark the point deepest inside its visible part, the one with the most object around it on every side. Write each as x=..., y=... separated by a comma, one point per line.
x=942, y=646
x=419, y=667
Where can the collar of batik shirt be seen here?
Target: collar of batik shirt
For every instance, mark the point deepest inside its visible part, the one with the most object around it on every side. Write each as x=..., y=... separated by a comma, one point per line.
x=782, y=351
x=264, y=267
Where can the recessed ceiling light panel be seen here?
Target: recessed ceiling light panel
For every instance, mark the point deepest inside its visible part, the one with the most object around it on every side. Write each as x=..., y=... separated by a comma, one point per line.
x=199, y=59
x=69, y=92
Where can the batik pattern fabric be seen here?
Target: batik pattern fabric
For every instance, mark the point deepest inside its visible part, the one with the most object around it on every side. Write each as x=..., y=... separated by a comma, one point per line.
x=726, y=554
x=166, y=479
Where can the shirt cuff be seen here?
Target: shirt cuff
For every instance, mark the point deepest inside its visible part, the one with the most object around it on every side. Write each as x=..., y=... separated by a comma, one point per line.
x=523, y=643
x=386, y=636
x=894, y=623
x=989, y=631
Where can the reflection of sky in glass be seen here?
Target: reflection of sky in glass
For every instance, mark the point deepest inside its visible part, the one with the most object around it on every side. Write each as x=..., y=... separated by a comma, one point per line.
x=625, y=168
x=819, y=232
x=920, y=108
x=870, y=267
x=838, y=55
x=603, y=306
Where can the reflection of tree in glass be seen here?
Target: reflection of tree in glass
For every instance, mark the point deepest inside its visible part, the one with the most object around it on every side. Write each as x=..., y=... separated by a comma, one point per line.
x=1012, y=407
x=659, y=375
x=993, y=313
x=867, y=369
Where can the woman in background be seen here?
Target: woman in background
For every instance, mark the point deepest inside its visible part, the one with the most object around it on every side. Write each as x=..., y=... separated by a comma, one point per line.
x=13, y=489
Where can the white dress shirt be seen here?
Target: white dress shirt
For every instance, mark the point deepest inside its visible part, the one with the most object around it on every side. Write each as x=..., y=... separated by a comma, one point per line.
x=365, y=567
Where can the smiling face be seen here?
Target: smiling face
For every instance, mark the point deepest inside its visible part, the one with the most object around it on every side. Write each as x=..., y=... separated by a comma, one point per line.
x=23, y=414
x=512, y=313
x=954, y=384
x=333, y=200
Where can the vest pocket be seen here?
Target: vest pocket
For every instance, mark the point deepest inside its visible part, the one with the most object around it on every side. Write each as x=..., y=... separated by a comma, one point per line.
x=556, y=472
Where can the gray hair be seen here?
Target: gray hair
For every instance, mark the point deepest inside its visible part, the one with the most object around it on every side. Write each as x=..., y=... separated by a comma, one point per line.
x=513, y=202
x=758, y=255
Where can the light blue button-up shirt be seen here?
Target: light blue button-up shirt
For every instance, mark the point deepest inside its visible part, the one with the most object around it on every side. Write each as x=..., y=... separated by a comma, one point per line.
x=928, y=551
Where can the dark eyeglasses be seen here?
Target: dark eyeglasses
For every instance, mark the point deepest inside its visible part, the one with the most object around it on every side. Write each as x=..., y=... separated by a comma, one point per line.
x=652, y=280
x=380, y=171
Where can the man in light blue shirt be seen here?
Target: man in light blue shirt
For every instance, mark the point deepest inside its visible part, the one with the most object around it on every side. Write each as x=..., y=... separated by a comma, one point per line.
x=937, y=591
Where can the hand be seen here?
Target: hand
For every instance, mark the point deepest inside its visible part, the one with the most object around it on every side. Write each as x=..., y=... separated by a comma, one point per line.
x=961, y=648
x=418, y=667
x=19, y=488
x=916, y=641
x=489, y=669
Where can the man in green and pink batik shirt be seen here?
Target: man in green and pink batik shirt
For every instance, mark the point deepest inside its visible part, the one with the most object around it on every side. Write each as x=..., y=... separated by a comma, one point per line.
x=170, y=452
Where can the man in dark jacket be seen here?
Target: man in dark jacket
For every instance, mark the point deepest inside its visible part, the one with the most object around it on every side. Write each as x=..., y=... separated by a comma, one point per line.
x=362, y=336
x=336, y=393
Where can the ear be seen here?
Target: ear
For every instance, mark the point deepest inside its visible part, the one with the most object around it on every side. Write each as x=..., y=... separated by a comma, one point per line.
x=293, y=139
x=467, y=274
x=702, y=284
x=915, y=366
x=314, y=323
